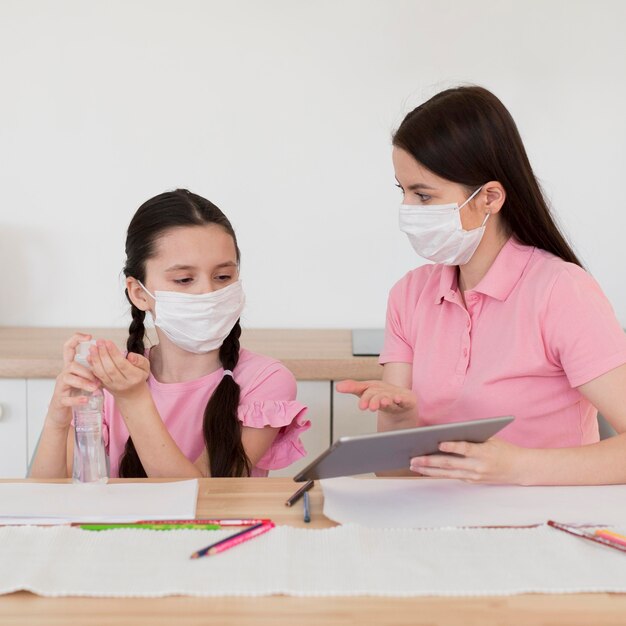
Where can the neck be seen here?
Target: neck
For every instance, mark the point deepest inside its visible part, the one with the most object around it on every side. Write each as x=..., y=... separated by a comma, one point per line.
x=473, y=272
x=171, y=364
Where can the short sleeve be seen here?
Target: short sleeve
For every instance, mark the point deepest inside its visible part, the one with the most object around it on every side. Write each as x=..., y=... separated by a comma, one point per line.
x=397, y=348
x=581, y=331
x=271, y=401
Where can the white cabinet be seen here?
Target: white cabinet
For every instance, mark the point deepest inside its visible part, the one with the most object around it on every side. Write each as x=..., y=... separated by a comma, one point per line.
x=348, y=419
x=38, y=396
x=12, y=428
x=316, y=395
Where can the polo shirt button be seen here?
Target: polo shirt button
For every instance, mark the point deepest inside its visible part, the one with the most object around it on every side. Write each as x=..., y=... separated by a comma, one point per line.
x=464, y=351
x=467, y=323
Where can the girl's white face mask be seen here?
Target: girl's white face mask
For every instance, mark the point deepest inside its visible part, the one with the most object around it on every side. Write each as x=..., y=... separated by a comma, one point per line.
x=436, y=232
x=198, y=323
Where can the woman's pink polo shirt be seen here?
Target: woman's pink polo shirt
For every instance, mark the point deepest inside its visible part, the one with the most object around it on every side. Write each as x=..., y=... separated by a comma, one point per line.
x=535, y=328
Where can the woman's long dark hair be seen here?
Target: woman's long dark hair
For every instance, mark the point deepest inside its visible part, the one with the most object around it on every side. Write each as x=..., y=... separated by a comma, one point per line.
x=466, y=135
x=221, y=427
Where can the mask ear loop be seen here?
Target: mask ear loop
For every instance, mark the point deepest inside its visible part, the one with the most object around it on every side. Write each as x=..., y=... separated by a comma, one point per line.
x=471, y=197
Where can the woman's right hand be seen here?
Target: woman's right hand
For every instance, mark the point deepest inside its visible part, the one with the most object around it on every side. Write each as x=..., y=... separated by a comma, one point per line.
x=377, y=395
x=73, y=376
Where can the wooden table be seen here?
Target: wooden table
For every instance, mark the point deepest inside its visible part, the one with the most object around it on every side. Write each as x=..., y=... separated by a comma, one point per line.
x=264, y=497
x=311, y=354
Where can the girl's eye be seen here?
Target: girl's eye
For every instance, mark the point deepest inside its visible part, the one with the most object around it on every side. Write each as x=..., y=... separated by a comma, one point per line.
x=183, y=281
x=423, y=196
x=223, y=278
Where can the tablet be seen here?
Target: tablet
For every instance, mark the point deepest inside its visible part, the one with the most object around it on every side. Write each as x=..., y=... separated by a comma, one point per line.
x=392, y=450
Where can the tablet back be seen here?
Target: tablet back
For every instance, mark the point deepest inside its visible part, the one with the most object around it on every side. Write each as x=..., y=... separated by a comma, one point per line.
x=393, y=450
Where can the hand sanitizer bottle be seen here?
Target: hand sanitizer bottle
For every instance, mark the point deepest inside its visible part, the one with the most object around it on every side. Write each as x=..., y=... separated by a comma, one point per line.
x=89, y=456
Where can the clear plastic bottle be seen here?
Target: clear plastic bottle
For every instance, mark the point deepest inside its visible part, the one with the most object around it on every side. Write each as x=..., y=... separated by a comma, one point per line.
x=89, y=456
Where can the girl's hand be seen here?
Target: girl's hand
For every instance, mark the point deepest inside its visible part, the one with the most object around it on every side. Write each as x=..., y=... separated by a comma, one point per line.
x=73, y=376
x=122, y=376
x=494, y=461
x=376, y=395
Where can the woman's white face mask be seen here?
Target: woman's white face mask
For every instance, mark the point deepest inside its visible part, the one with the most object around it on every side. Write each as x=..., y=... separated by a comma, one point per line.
x=436, y=233
x=198, y=323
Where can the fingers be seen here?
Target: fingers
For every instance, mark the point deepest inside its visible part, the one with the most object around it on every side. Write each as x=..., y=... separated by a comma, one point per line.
x=78, y=377
x=443, y=462
x=74, y=401
x=458, y=447
x=385, y=399
x=78, y=382
x=435, y=472
x=107, y=363
x=140, y=361
x=69, y=347
x=355, y=387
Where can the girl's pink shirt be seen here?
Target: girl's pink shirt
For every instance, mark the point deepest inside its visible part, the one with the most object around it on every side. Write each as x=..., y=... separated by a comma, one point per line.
x=533, y=330
x=268, y=398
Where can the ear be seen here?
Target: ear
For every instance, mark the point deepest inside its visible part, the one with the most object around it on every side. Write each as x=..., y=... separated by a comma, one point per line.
x=493, y=195
x=138, y=295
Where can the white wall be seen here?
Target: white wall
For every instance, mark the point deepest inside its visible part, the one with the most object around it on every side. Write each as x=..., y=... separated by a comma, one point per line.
x=280, y=112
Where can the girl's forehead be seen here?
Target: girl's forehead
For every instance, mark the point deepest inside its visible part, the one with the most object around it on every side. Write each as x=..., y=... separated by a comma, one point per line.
x=195, y=245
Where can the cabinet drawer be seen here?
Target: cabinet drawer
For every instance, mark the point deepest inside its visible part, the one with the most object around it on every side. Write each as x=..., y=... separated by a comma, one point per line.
x=316, y=396
x=12, y=428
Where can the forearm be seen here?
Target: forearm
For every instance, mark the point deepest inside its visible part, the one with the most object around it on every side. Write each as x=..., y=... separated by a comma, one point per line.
x=50, y=460
x=602, y=463
x=158, y=452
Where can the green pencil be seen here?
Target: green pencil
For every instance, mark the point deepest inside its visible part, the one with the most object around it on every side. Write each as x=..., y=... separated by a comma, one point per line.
x=149, y=526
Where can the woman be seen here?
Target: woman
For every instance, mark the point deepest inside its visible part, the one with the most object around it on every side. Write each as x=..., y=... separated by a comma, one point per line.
x=505, y=322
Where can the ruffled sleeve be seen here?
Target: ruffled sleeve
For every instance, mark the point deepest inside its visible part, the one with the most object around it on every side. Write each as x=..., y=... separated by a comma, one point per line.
x=289, y=417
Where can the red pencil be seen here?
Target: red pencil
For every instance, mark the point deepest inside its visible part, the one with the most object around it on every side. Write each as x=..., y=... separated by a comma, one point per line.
x=234, y=540
x=219, y=522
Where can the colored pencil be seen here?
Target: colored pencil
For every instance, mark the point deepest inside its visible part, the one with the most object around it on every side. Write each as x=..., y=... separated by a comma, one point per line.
x=233, y=540
x=572, y=530
x=307, y=508
x=182, y=522
x=298, y=494
x=147, y=526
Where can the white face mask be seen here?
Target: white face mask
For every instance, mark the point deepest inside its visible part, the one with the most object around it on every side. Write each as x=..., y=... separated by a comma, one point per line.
x=198, y=323
x=436, y=232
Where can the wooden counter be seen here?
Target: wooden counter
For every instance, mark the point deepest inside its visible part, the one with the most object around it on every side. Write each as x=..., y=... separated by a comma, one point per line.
x=309, y=354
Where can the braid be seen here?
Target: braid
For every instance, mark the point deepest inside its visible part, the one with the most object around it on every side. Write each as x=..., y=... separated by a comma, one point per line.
x=221, y=426
x=130, y=464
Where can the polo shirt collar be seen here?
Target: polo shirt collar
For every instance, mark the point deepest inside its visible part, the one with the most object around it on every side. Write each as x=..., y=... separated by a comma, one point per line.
x=501, y=278
x=506, y=271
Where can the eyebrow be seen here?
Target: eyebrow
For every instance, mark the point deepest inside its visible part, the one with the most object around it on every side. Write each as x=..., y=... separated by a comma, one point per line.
x=417, y=186
x=178, y=266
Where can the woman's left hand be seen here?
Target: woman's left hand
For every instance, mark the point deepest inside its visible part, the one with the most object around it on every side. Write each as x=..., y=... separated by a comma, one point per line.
x=121, y=376
x=494, y=461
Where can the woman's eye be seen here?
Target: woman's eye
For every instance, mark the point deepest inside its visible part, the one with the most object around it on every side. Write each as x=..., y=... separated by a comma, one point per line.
x=223, y=278
x=423, y=196
x=183, y=281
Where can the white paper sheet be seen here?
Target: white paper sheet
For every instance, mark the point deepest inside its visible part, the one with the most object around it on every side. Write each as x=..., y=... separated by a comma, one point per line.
x=46, y=503
x=342, y=561
x=440, y=503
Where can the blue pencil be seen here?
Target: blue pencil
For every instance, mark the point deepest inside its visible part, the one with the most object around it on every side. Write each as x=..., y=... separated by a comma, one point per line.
x=307, y=509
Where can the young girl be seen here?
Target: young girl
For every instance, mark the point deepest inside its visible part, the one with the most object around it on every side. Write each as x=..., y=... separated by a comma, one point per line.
x=506, y=321
x=195, y=404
